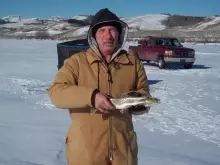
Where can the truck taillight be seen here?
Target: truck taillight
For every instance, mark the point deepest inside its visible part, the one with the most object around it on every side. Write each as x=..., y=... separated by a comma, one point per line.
x=168, y=53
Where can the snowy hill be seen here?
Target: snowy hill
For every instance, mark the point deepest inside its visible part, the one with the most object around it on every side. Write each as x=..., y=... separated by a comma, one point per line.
x=56, y=18
x=20, y=19
x=209, y=23
x=147, y=22
x=144, y=22
x=80, y=17
x=12, y=18
x=140, y=26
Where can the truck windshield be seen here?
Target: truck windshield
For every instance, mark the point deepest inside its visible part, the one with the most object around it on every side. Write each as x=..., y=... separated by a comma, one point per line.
x=168, y=42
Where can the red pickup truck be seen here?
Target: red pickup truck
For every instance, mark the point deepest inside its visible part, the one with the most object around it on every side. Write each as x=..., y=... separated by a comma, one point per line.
x=164, y=50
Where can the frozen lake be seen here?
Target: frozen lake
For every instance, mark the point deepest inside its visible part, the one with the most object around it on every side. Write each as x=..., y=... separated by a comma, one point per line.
x=183, y=130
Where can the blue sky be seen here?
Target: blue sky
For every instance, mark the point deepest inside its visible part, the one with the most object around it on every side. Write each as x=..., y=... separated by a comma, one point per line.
x=123, y=8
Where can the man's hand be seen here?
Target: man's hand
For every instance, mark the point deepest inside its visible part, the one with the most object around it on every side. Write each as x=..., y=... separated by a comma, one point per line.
x=102, y=103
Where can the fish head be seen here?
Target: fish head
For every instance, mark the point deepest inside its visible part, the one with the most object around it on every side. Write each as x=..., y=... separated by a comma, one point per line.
x=152, y=100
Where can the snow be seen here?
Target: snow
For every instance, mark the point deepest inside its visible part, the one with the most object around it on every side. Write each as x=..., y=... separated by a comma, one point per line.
x=80, y=17
x=56, y=18
x=13, y=25
x=147, y=22
x=214, y=20
x=54, y=32
x=30, y=33
x=60, y=27
x=183, y=130
x=31, y=21
x=18, y=19
x=12, y=18
x=81, y=31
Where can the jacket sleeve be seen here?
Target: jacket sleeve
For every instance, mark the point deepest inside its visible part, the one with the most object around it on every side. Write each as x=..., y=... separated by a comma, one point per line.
x=142, y=85
x=64, y=92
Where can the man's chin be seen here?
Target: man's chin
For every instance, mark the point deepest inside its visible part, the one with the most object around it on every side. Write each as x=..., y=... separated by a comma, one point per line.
x=110, y=50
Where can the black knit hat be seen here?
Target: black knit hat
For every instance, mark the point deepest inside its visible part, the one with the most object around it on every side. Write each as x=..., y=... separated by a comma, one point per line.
x=105, y=17
x=113, y=23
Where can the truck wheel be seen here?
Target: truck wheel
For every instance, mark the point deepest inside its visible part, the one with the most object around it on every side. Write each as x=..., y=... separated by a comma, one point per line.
x=161, y=63
x=188, y=66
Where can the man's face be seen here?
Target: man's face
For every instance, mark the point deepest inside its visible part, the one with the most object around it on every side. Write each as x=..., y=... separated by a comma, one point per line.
x=107, y=39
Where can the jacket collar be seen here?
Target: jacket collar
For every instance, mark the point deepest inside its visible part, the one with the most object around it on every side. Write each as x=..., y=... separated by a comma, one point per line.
x=91, y=56
x=121, y=58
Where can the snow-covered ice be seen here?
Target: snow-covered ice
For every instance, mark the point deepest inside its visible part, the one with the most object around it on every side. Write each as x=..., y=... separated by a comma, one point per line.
x=183, y=130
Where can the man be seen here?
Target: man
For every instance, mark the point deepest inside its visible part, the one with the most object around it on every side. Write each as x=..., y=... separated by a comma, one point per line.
x=85, y=82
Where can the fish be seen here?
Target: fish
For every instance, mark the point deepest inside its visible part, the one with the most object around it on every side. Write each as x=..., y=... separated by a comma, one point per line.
x=132, y=100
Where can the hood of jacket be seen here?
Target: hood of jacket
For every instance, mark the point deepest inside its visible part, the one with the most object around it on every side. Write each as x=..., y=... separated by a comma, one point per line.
x=106, y=16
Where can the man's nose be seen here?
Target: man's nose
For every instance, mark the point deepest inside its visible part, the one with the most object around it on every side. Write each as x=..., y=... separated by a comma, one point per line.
x=108, y=34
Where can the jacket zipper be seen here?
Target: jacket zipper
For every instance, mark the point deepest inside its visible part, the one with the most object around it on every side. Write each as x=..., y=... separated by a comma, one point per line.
x=110, y=148
x=110, y=118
